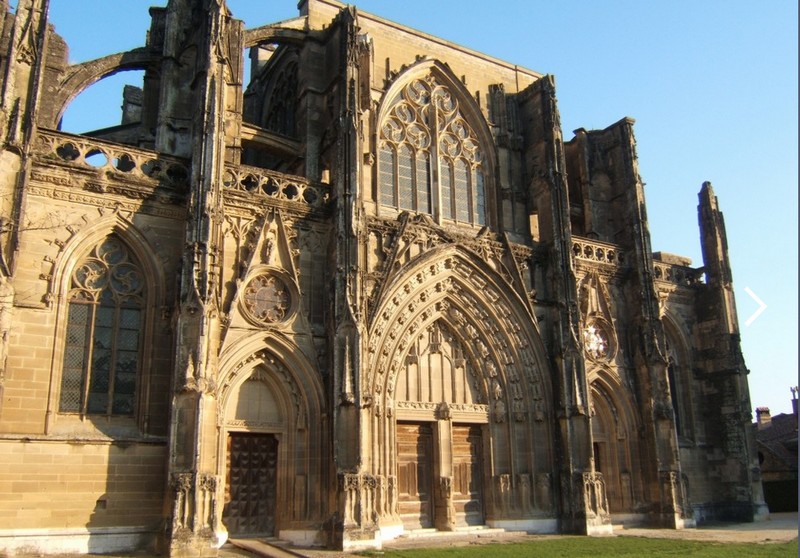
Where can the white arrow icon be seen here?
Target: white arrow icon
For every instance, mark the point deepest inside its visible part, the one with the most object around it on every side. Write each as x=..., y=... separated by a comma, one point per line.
x=761, y=306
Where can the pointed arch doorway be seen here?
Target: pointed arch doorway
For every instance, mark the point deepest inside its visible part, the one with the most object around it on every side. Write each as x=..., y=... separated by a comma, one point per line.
x=453, y=349
x=271, y=453
x=251, y=465
x=614, y=445
x=439, y=435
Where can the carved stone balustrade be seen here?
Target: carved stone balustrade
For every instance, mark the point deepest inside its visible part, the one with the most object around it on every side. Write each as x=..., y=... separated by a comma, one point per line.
x=111, y=160
x=676, y=274
x=596, y=251
x=265, y=183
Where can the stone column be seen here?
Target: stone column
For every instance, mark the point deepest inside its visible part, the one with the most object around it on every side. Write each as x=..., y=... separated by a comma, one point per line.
x=193, y=101
x=444, y=510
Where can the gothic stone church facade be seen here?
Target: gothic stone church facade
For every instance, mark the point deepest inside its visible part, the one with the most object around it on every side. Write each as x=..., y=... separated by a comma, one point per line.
x=373, y=290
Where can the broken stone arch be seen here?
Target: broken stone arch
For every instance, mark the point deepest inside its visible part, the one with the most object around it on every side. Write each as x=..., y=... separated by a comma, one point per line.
x=452, y=290
x=81, y=76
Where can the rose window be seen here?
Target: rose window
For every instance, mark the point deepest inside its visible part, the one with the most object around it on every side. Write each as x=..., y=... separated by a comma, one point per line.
x=595, y=341
x=267, y=299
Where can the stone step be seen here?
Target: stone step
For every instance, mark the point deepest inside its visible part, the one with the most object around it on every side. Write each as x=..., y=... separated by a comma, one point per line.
x=267, y=548
x=458, y=532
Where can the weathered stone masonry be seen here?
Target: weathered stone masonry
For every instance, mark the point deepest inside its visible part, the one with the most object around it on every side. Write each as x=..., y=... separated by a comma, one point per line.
x=371, y=291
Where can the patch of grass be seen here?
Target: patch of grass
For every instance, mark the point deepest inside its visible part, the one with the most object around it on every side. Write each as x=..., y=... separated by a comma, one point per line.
x=602, y=547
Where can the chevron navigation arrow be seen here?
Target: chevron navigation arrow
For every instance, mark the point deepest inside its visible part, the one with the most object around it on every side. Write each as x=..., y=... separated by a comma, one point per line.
x=761, y=306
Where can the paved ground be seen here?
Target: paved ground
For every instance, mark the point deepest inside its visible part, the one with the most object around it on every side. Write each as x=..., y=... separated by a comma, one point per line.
x=780, y=527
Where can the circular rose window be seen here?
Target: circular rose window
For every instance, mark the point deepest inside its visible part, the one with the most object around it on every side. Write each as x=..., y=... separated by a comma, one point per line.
x=596, y=341
x=267, y=299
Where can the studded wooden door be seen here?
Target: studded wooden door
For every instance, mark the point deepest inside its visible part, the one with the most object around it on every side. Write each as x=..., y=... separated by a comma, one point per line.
x=468, y=475
x=415, y=474
x=250, y=492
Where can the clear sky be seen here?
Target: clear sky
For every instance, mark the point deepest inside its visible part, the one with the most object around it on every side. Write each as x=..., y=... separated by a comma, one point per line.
x=712, y=85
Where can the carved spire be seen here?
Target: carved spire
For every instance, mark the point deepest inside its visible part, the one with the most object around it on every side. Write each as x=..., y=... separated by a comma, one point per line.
x=713, y=238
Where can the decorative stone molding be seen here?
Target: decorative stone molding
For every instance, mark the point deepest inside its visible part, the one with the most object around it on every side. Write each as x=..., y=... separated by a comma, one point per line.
x=182, y=485
x=594, y=495
x=502, y=490
x=361, y=498
x=673, y=495
x=249, y=367
x=524, y=493
x=544, y=491
x=194, y=504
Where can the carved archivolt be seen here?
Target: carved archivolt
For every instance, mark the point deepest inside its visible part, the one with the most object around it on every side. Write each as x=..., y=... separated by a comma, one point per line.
x=264, y=366
x=496, y=335
x=275, y=359
x=396, y=243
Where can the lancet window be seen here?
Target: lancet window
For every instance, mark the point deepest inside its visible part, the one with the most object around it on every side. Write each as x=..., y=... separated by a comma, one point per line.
x=280, y=111
x=103, y=334
x=430, y=160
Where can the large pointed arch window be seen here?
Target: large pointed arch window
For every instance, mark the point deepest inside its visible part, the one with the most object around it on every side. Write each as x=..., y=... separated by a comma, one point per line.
x=429, y=157
x=103, y=335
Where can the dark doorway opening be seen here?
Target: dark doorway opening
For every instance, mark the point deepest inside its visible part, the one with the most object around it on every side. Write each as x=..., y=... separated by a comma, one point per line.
x=251, y=484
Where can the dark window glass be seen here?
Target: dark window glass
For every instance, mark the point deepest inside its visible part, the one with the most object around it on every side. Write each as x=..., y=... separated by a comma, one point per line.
x=103, y=334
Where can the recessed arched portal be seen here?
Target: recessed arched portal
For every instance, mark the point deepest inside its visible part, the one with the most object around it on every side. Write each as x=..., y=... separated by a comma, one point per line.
x=615, y=444
x=459, y=398
x=271, y=448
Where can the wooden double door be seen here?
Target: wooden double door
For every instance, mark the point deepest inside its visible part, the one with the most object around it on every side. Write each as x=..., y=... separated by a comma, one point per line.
x=251, y=484
x=420, y=461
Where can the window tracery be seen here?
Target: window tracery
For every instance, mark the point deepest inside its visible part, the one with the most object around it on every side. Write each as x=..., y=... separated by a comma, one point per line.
x=437, y=370
x=282, y=102
x=103, y=335
x=266, y=299
x=425, y=137
x=597, y=342
x=678, y=384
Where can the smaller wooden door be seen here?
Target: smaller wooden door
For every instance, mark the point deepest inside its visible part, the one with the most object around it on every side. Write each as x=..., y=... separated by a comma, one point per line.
x=251, y=484
x=468, y=475
x=415, y=474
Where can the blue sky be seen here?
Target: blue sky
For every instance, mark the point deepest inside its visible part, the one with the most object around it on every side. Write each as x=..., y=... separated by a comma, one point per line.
x=712, y=85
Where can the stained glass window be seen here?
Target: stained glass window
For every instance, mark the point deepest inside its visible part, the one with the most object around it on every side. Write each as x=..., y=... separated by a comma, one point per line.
x=424, y=116
x=103, y=336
